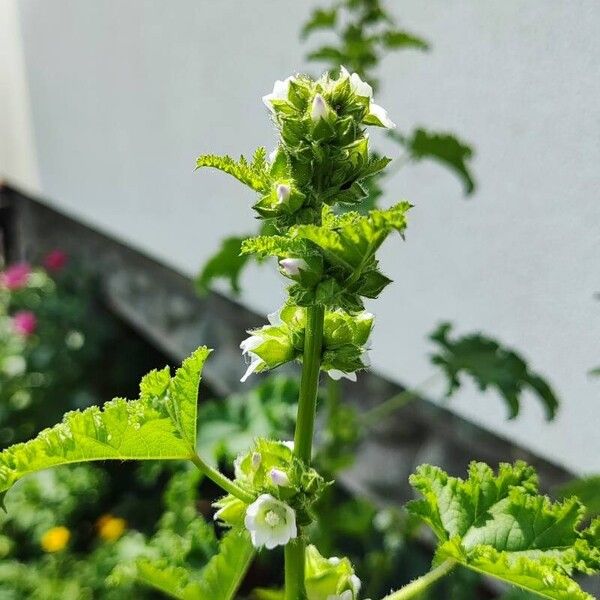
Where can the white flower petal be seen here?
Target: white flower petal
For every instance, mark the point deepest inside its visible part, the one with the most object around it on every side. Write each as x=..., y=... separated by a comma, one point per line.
x=381, y=114
x=280, y=92
x=254, y=364
x=336, y=375
x=360, y=87
x=270, y=522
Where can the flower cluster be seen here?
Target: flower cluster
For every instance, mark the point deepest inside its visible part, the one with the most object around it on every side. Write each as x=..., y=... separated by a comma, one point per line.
x=285, y=490
x=345, y=339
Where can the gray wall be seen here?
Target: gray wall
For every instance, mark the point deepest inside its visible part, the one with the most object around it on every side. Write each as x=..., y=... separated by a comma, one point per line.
x=125, y=94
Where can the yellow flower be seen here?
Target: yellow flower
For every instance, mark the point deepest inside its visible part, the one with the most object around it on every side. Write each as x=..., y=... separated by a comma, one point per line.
x=55, y=539
x=111, y=528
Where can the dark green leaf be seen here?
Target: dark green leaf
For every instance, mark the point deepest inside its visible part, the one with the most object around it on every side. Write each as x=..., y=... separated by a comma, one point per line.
x=395, y=39
x=490, y=365
x=227, y=263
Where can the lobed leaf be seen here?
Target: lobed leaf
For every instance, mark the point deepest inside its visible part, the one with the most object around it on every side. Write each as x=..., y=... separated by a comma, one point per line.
x=254, y=174
x=490, y=365
x=320, y=19
x=161, y=424
x=499, y=525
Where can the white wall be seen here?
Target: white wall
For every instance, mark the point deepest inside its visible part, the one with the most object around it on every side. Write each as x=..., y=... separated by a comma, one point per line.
x=17, y=148
x=126, y=94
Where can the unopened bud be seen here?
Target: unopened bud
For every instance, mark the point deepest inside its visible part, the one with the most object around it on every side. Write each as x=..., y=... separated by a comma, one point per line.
x=256, y=460
x=279, y=477
x=283, y=192
x=319, y=108
x=293, y=266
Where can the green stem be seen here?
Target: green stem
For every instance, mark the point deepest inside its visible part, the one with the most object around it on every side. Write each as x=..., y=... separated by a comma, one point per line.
x=303, y=438
x=415, y=588
x=222, y=481
x=311, y=365
x=375, y=414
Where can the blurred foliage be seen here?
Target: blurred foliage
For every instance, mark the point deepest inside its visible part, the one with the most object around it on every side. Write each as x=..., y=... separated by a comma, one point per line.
x=587, y=489
x=490, y=365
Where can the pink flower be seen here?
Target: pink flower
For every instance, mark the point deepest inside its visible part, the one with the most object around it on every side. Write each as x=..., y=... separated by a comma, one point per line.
x=24, y=322
x=55, y=260
x=16, y=276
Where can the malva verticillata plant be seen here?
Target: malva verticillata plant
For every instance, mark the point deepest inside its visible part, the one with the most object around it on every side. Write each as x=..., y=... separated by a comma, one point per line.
x=494, y=523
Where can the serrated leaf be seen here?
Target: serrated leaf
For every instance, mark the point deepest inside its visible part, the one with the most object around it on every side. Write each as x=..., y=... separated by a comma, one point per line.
x=491, y=366
x=274, y=245
x=500, y=526
x=174, y=582
x=224, y=573
x=227, y=263
x=445, y=148
x=161, y=424
x=254, y=174
x=396, y=39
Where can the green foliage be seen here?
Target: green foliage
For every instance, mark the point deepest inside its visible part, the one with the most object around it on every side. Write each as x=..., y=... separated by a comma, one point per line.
x=228, y=263
x=161, y=424
x=444, y=148
x=500, y=526
x=254, y=174
x=490, y=365
x=228, y=426
x=587, y=489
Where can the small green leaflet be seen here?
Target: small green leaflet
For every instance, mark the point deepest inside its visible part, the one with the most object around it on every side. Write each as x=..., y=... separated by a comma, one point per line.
x=396, y=39
x=319, y=19
x=499, y=525
x=227, y=263
x=161, y=424
x=490, y=365
x=254, y=174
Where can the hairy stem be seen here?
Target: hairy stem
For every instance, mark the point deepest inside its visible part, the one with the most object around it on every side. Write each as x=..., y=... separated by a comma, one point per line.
x=415, y=588
x=223, y=482
x=303, y=438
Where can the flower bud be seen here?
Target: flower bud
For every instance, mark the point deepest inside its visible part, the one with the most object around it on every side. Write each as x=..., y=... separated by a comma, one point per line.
x=293, y=266
x=319, y=108
x=279, y=477
x=283, y=192
x=256, y=460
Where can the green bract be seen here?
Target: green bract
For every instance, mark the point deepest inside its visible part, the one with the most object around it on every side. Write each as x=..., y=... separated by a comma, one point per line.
x=343, y=350
x=161, y=424
x=327, y=578
x=500, y=525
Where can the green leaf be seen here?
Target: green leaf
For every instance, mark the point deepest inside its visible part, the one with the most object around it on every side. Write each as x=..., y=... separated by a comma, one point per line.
x=395, y=39
x=500, y=526
x=490, y=365
x=320, y=19
x=161, y=424
x=587, y=489
x=274, y=245
x=227, y=263
x=444, y=148
x=254, y=174
x=223, y=575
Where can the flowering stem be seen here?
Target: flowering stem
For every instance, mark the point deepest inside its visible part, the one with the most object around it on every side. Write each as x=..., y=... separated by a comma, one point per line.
x=303, y=438
x=415, y=588
x=222, y=481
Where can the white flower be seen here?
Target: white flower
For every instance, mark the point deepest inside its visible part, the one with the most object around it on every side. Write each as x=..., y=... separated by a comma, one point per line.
x=247, y=346
x=270, y=522
x=279, y=477
x=273, y=155
x=356, y=584
x=293, y=266
x=358, y=86
x=283, y=192
x=280, y=92
x=381, y=114
x=336, y=374
x=318, y=109
x=290, y=445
